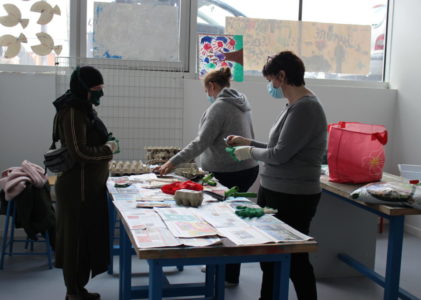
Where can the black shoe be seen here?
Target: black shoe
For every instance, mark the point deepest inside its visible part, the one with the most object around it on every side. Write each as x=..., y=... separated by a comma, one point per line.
x=90, y=296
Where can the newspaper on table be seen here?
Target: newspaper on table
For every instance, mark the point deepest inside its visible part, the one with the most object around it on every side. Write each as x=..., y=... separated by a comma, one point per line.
x=184, y=223
x=220, y=215
x=154, y=238
x=278, y=230
x=200, y=242
x=245, y=235
x=143, y=219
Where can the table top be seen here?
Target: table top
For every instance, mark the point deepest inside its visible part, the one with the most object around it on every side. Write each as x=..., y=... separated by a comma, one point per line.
x=344, y=190
x=226, y=249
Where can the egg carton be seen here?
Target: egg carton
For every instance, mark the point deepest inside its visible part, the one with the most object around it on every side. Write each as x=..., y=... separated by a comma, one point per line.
x=125, y=167
x=160, y=155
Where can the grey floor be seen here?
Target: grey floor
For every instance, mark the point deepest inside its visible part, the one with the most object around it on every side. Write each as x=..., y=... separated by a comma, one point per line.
x=27, y=277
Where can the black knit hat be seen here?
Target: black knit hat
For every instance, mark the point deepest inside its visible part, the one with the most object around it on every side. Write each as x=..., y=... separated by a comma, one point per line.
x=83, y=78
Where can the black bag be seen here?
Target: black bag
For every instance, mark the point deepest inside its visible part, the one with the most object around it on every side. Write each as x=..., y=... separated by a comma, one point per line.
x=57, y=160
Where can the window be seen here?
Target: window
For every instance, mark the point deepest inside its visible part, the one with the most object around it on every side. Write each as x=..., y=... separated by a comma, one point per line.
x=34, y=32
x=159, y=31
x=146, y=30
x=357, y=12
x=336, y=39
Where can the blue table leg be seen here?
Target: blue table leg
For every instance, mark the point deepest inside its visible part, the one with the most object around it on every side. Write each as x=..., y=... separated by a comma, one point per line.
x=5, y=233
x=125, y=280
x=156, y=276
x=281, y=277
x=220, y=282
x=394, y=256
x=111, y=228
x=210, y=281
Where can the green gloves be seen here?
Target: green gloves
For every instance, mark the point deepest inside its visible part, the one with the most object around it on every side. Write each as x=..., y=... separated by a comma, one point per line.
x=207, y=180
x=239, y=153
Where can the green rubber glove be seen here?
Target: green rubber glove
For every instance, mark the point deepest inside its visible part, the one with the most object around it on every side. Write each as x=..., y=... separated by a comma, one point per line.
x=231, y=151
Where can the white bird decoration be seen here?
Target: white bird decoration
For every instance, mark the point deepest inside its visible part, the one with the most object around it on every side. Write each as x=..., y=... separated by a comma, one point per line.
x=46, y=10
x=13, y=16
x=46, y=46
x=12, y=43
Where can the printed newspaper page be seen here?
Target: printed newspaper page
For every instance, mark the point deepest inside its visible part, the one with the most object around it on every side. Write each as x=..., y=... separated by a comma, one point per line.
x=154, y=238
x=277, y=229
x=247, y=235
x=220, y=215
x=200, y=242
x=184, y=223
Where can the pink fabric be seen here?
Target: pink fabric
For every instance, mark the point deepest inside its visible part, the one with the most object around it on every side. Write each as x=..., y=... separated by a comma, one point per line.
x=13, y=180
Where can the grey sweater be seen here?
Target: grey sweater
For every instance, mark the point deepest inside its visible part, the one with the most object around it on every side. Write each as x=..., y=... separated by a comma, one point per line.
x=229, y=114
x=293, y=156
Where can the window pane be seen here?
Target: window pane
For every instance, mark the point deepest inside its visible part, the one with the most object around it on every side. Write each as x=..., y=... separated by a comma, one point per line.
x=211, y=14
x=134, y=30
x=227, y=16
x=34, y=33
x=357, y=12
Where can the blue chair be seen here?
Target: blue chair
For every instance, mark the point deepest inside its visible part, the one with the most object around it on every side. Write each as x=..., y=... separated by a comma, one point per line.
x=8, y=242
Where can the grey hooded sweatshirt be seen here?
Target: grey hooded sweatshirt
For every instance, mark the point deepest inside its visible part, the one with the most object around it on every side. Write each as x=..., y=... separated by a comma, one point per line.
x=229, y=114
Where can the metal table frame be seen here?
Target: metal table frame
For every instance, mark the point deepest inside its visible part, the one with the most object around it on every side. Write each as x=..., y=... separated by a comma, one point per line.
x=396, y=217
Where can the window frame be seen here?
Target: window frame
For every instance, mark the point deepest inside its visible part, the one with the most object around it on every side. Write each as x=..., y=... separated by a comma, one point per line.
x=188, y=46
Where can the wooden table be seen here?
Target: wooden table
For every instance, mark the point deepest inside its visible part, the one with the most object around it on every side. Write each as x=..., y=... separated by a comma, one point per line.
x=214, y=258
x=395, y=215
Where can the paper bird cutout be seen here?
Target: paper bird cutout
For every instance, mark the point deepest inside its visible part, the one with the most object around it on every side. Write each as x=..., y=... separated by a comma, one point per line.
x=46, y=46
x=12, y=43
x=13, y=16
x=46, y=10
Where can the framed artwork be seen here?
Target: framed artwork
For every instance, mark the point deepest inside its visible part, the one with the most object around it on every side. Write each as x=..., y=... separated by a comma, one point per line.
x=217, y=51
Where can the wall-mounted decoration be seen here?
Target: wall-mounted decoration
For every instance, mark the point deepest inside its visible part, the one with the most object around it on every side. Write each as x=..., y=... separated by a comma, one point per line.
x=46, y=46
x=13, y=17
x=12, y=44
x=217, y=51
x=324, y=47
x=46, y=11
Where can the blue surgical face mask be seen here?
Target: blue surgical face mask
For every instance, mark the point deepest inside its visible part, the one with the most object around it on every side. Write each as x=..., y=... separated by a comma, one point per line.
x=275, y=92
x=211, y=99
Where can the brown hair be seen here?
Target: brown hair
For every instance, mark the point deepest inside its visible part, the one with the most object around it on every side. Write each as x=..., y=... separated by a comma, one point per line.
x=222, y=77
x=288, y=62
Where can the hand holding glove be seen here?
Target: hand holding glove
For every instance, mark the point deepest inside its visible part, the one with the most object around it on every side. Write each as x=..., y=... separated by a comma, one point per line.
x=239, y=153
x=113, y=145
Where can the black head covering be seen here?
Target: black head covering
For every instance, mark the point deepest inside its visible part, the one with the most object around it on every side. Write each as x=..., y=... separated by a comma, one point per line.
x=84, y=78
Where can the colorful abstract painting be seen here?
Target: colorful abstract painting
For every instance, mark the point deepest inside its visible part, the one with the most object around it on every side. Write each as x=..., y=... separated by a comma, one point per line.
x=217, y=51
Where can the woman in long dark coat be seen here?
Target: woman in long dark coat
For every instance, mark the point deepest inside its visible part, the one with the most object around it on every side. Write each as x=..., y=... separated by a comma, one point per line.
x=82, y=213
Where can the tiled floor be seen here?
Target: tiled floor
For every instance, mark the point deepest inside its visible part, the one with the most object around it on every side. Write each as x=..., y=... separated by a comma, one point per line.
x=29, y=278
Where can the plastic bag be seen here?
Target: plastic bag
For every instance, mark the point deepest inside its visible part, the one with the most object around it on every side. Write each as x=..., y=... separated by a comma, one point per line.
x=390, y=193
x=355, y=152
x=178, y=185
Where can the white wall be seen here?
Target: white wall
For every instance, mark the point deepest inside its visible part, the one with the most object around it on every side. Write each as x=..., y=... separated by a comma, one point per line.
x=26, y=117
x=405, y=69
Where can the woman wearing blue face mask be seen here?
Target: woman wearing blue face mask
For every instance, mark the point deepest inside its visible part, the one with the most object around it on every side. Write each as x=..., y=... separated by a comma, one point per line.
x=229, y=113
x=82, y=211
x=291, y=162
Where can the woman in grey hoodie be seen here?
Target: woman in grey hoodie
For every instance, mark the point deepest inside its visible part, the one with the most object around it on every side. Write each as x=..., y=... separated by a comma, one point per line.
x=228, y=113
x=291, y=162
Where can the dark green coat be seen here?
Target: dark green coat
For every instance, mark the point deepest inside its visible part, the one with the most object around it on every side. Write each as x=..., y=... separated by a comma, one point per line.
x=82, y=211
